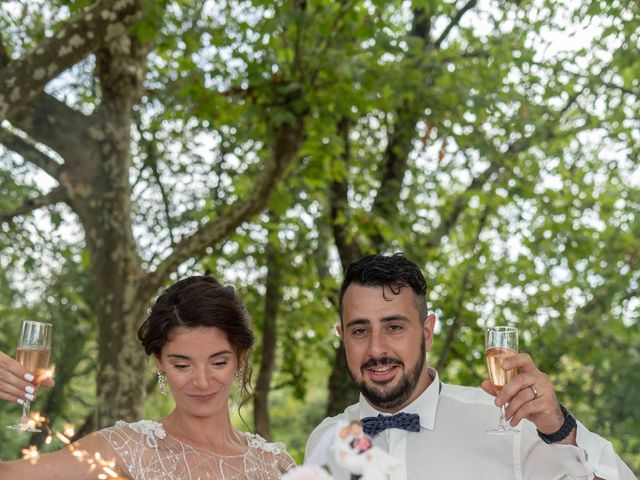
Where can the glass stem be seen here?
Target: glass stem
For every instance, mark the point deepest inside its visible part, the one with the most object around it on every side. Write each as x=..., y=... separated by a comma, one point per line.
x=25, y=413
x=503, y=425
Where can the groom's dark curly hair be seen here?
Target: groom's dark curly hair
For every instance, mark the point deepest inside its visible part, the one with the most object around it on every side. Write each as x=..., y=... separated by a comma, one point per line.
x=391, y=273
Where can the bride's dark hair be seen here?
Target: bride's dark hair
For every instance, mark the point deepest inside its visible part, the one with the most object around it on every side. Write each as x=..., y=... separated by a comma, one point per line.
x=201, y=301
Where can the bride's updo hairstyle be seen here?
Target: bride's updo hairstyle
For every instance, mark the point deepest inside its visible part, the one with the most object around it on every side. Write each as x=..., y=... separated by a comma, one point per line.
x=201, y=301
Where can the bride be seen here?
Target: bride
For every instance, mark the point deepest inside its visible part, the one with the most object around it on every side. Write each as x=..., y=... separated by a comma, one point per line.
x=199, y=335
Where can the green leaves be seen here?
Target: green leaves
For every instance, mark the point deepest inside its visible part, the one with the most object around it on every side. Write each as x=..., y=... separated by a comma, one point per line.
x=513, y=143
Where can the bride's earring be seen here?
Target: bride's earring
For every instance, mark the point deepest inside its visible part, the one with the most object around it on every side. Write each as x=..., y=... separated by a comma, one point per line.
x=238, y=377
x=161, y=379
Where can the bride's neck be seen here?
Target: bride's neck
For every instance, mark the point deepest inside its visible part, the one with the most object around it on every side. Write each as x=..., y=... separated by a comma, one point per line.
x=214, y=433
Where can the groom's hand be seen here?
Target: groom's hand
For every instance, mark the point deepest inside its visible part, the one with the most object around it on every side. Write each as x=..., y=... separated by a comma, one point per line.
x=529, y=394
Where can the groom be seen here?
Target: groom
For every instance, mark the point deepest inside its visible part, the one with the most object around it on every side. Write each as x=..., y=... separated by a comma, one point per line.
x=438, y=430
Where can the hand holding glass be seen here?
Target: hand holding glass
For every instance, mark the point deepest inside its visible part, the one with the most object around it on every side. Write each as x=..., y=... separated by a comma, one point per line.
x=33, y=351
x=500, y=343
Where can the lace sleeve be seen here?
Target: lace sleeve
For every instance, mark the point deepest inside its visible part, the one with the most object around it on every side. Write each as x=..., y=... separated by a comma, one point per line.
x=133, y=442
x=285, y=461
x=276, y=452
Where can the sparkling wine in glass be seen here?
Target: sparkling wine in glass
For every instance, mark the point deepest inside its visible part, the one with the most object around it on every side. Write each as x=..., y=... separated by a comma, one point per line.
x=500, y=344
x=33, y=351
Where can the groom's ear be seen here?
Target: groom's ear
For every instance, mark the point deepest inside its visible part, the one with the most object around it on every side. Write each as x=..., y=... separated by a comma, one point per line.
x=339, y=330
x=429, y=327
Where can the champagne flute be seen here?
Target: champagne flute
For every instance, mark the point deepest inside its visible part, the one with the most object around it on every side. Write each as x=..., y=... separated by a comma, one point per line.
x=33, y=351
x=500, y=343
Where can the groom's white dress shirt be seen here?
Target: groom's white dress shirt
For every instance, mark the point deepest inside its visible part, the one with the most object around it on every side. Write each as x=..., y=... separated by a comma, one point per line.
x=453, y=444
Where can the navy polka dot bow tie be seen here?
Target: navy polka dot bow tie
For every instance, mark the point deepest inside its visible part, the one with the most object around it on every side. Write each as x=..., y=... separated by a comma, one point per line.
x=406, y=421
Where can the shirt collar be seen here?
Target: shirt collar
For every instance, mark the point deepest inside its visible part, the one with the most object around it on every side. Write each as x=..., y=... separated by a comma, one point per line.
x=425, y=405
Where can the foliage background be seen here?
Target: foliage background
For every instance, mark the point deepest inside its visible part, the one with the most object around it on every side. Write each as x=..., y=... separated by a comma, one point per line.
x=496, y=143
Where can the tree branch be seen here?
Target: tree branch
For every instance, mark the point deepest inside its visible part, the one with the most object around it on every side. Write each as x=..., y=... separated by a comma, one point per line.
x=461, y=204
x=4, y=55
x=421, y=25
x=325, y=42
x=591, y=78
x=151, y=150
x=348, y=249
x=454, y=22
x=53, y=123
x=457, y=314
x=22, y=79
x=496, y=168
x=321, y=255
x=288, y=139
x=29, y=152
x=396, y=157
x=56, y=195
x=471, y=366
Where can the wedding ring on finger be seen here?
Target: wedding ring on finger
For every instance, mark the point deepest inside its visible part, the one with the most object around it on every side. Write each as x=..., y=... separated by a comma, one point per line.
x=535, y=392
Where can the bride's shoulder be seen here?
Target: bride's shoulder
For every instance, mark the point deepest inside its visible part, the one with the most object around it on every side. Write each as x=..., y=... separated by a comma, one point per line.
x=271, y=452
x=149, y=430
x=145, y=427
x=257, y=441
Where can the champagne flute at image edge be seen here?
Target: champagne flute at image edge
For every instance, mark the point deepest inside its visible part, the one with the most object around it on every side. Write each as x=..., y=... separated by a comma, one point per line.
x=500, y=343
x=33, y=351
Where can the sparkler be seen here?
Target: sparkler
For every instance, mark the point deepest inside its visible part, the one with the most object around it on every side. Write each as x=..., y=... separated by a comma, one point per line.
x=48, y=373
x=31, y=454
x=96, y=462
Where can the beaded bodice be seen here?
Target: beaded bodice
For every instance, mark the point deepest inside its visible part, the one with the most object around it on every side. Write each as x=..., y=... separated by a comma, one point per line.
x=149, y=453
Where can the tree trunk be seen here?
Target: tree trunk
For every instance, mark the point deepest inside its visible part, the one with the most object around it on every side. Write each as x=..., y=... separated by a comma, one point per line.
x=393, y=168
x=269, y=338
x=117, y=279
x=116, y=267
x=342, y=390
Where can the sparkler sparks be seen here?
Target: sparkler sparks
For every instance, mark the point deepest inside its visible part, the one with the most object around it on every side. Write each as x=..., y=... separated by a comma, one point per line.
x=63, y=438
x=96, y=462
x=31, y=454
x=69, y=430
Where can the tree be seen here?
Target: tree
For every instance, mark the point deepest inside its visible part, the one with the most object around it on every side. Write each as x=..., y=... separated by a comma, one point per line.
x=458, y=131
x=89, y=154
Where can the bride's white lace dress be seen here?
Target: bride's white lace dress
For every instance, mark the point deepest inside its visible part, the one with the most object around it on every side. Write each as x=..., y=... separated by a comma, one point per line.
x=149, y=453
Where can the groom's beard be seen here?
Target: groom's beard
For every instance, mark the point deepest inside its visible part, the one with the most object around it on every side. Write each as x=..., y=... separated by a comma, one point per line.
x=388, y=399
